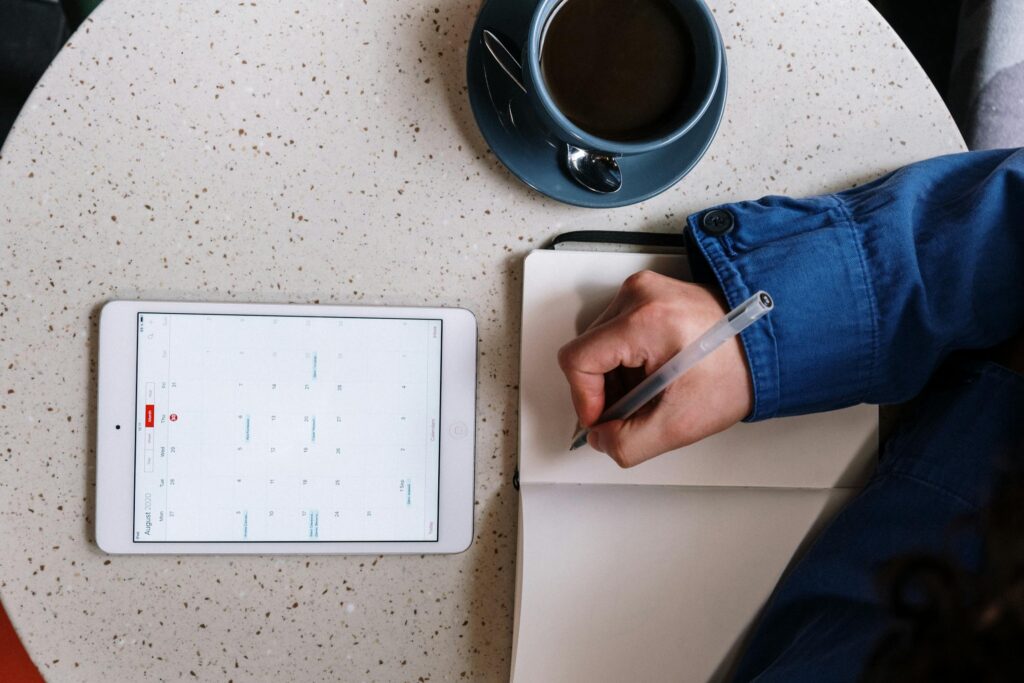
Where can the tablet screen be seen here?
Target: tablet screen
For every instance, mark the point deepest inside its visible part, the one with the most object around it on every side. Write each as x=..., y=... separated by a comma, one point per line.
x=286, y=428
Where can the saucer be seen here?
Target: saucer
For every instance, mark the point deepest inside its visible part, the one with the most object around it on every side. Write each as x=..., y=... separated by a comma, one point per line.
x=515, y=135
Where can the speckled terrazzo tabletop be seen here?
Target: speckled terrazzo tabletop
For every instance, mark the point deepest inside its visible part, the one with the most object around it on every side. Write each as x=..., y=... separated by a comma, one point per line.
x=320, y=151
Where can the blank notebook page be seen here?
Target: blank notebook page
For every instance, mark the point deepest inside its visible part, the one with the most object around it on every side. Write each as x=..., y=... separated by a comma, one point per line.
x=656, y=572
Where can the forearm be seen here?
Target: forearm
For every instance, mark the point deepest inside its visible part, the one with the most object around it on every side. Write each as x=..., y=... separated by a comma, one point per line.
x=876, y=285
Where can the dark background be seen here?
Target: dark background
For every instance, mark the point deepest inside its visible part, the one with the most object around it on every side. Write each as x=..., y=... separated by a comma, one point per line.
x=32, y=31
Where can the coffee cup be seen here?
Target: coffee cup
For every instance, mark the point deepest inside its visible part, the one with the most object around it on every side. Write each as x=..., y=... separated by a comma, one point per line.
x=626, y=94
x=620, y=77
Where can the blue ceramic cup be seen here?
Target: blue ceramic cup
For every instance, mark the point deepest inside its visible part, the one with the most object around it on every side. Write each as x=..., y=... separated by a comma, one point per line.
x=707, y=72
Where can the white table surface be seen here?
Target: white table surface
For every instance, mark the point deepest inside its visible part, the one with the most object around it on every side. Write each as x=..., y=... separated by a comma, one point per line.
x=318, y=151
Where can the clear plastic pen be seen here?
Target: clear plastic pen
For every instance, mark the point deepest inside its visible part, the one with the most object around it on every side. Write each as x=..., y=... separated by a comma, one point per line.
x=734, y=322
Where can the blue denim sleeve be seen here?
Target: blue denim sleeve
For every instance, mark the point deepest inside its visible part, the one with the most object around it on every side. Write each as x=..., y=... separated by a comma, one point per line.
x=873, y=286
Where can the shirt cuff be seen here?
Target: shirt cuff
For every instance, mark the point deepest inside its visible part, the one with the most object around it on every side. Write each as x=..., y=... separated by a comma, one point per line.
x=816, y=350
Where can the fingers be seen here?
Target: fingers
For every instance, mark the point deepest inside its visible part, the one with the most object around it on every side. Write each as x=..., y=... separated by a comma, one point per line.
x=650, y=319
x=641, y=437
x=587, y=359
x=614, y=339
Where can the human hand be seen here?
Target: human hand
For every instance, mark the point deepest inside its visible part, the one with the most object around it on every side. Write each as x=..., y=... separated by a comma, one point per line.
x=650, y=320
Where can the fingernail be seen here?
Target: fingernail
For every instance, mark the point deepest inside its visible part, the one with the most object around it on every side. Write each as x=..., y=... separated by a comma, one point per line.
x=594, y=439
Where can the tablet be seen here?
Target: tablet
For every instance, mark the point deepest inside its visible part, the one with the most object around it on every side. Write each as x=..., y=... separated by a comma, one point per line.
x=254, y=428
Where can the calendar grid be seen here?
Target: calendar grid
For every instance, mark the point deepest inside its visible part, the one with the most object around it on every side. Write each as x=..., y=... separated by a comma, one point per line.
x=287, y=428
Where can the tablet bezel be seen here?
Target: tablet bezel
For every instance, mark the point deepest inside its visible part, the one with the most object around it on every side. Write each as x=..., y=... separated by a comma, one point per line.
x=115, y=448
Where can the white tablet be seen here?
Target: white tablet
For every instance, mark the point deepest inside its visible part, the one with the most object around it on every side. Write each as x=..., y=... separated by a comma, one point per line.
x=253, y=428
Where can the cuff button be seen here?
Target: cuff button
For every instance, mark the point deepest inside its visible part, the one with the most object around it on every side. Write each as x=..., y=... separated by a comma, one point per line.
x=718, y=222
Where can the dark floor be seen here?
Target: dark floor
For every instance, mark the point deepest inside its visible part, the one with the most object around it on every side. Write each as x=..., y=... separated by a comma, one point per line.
x=32, y=31
x=928, y=27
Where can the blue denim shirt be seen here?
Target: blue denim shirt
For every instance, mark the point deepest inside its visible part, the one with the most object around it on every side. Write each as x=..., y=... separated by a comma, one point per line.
x=876, y=287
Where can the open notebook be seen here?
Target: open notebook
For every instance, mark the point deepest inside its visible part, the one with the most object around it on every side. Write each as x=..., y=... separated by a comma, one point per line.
x=656, y=572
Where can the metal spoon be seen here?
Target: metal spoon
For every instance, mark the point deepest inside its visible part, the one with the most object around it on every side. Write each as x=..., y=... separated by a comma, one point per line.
x=597, y=172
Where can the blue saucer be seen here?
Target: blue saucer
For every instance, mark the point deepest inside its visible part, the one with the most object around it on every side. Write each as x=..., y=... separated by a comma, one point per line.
x=513, y=132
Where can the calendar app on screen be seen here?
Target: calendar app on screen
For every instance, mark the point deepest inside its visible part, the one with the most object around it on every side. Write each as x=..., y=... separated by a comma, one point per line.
x=286, y=428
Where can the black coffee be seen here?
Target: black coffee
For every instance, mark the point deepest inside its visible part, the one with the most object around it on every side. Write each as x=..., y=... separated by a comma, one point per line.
x=619, y=69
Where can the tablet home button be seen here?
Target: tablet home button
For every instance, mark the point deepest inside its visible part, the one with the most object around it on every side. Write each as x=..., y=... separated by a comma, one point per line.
x=458, y=429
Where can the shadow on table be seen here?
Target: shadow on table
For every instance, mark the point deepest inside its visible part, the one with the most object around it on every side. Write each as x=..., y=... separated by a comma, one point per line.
x=491, y=595
x=90, y=431
x=492, y=590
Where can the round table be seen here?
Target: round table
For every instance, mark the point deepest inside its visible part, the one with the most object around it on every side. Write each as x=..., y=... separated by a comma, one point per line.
x=325, y=152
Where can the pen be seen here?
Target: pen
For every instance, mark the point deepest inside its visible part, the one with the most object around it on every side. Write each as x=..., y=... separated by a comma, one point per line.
x=734, y=322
